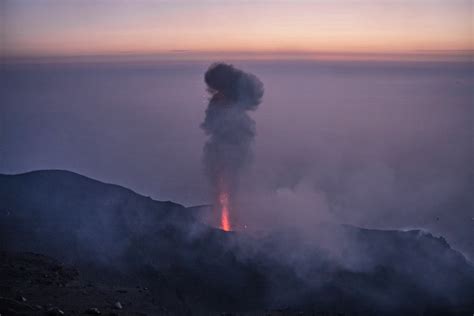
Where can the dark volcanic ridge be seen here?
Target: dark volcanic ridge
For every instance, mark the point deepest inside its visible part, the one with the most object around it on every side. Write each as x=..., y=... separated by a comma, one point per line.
x=118, y=239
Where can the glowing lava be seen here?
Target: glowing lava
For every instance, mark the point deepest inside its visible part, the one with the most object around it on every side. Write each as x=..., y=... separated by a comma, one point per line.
x=224, y=207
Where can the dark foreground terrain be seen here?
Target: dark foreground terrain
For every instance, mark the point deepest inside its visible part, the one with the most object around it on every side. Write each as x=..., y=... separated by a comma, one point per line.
x=157, y=258
x=34, y=284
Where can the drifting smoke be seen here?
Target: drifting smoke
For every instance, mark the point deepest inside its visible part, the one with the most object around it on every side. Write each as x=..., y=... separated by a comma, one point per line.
x=231, y=130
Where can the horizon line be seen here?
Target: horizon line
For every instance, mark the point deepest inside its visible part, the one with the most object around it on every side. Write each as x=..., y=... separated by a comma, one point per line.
x=463, y=55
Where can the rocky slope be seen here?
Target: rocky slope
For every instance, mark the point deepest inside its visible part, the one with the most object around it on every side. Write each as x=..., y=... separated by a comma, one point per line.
x=118, y=239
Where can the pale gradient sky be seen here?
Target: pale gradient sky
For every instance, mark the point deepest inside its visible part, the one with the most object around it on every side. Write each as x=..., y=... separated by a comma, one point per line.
x=67, y=27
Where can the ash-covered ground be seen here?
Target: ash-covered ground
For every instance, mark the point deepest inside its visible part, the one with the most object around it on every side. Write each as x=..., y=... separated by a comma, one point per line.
x=111, y=245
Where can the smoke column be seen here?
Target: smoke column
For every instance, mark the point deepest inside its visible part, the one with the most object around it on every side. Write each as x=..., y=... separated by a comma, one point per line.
x=231, y=132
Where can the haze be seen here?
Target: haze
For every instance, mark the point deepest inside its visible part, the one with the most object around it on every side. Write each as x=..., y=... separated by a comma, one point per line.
x=366, y=118
x=374, y=144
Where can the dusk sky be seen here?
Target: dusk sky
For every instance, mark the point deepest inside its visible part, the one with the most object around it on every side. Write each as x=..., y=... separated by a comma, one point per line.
x=65, y=28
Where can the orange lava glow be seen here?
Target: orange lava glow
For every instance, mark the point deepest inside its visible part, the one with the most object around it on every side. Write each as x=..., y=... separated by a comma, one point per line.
x=224, y=206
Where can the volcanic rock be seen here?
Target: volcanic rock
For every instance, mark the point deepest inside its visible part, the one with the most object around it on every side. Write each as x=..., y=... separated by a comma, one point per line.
x=54, y=311
x=93, y=311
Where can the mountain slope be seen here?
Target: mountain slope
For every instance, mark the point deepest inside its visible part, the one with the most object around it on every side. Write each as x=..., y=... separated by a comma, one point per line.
x=73, y=207
x=116, y=236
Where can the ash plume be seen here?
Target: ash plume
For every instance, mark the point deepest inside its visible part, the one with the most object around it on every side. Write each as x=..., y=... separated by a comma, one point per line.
x=227, y=123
